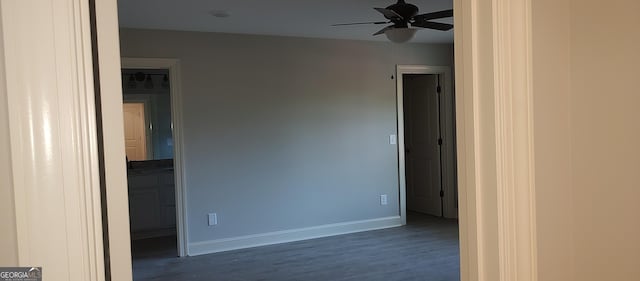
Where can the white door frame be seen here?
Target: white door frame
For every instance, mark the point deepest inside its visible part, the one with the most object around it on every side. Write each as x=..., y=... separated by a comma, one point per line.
x=173, y=65
x=50, y=133
x=448, y=164
x=495, y=138
x=494, y=130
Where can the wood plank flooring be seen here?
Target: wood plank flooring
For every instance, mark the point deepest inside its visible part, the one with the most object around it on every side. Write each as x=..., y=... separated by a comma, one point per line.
x=426, y=249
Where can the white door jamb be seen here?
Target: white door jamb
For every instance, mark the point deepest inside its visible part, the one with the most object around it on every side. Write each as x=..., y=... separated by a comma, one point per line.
x=447, y=124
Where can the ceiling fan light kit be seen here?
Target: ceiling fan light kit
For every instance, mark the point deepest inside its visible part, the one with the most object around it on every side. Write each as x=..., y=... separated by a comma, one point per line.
x=400, y=35
x=404, y=20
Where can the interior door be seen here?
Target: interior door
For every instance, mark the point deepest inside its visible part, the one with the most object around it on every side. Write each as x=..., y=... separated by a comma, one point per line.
x=422, y=152
x=135, y=131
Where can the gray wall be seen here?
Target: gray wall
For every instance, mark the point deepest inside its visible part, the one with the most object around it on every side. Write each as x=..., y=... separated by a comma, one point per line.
x=283, y=133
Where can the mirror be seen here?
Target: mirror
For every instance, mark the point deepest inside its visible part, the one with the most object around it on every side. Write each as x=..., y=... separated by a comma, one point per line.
x=147, y=114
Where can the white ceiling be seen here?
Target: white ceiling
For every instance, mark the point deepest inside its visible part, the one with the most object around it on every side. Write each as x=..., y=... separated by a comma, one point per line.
x=300, y=18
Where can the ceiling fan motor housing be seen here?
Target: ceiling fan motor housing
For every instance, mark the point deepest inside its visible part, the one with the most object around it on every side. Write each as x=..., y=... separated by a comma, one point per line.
x=405, y=10
x=401, y=15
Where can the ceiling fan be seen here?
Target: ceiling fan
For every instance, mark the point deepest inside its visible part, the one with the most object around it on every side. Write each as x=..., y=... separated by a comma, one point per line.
x=403, y=17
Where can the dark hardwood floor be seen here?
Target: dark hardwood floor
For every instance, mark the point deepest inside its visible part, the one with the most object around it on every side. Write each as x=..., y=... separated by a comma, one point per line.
x=425, y=249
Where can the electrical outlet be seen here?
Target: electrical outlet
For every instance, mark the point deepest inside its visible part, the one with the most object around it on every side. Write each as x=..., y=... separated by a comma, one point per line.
x=213, y=219
x=383, y=199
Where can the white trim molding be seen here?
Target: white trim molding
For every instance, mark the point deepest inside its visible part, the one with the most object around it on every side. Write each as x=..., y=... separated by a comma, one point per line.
x=514, y=140
x=495, y=140
x=466, y=114
x=447, y=123
x=115, y=173
x=248, y=241
x=48, y=83
x=173, y=65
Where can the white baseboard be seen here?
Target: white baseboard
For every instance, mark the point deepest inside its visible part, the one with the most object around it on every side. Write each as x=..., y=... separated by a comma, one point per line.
x=241, y=242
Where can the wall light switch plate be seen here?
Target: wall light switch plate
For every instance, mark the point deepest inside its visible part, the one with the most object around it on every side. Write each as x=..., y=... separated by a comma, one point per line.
x=383, y=199
x=213, y=219
x=393, y=139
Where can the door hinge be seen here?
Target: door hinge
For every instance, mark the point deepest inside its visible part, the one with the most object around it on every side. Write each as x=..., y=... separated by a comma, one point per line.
x=439, y=89
x=440, y=141
x=441, y=193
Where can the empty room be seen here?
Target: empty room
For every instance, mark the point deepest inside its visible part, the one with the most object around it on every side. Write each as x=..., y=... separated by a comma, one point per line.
x=301, y=148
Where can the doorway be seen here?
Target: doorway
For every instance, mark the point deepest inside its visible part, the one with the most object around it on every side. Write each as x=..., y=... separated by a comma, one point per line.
x=477, y=60
x=154, y=191
x=155, y=82
x=426, y=150
x=422, y=144
x=150, y=170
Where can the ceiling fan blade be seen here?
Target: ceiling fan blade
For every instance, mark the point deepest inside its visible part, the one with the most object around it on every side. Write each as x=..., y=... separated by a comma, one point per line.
x=434, y=15
x=433, y=25
x=390, y=14
x=357, y=23
x=382, y=31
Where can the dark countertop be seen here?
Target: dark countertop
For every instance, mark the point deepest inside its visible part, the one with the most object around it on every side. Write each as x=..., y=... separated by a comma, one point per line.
x=149, y=167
